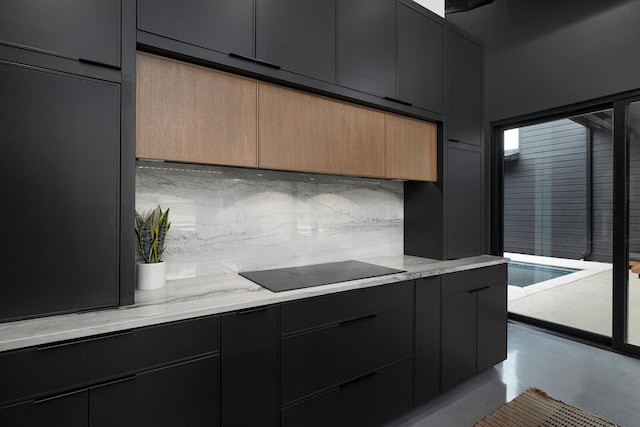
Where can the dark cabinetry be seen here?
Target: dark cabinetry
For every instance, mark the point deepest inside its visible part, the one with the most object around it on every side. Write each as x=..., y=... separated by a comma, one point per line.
x=420, y=58
x=186, y=393
x=298, y=35
x=367, y=46
x=474, y=318
x=464, y=89
x=158, y=375
x=74, y=29
x=250, y=367
x=220, y=25
x=427, y=345
x=352, y=351
x=61, y=154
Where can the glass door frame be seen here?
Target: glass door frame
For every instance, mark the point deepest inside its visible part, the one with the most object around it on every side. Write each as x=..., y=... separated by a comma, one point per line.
x=617, y=341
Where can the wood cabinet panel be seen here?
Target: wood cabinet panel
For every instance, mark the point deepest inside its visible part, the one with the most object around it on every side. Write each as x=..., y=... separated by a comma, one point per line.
x=194, y=114
x=411, y=148
x=303, y=132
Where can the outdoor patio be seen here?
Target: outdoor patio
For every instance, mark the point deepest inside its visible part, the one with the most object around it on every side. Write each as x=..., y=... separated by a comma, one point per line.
x=581, y=300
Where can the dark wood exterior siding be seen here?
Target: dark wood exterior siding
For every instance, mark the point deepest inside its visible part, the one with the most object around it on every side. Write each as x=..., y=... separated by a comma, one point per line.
x=602, y=196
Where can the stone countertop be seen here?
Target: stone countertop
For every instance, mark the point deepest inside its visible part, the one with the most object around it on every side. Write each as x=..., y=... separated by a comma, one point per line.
x=202, y=296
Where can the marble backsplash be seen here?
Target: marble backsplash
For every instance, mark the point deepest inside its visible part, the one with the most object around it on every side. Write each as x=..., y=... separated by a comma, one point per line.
x=232, y=219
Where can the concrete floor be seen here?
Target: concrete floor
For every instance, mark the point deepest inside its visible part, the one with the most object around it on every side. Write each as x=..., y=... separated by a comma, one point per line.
x=582, y=300
x=599, y=381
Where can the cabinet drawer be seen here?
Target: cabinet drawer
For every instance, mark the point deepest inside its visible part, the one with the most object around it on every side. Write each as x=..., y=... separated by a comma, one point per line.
x=51, y=368
x=366, y=401
x=472, y=280
x=314, y=361
x=329, y=309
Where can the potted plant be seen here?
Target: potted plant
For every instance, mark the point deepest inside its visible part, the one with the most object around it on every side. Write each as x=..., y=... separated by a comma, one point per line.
x=151, y=232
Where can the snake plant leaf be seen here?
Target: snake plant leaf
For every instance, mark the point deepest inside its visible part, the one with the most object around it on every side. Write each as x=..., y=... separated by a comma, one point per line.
x=151, y=232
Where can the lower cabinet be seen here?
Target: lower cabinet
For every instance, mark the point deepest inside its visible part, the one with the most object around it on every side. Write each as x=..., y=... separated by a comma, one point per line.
x=250, y=361
x=65, y=410
x=427, y=344
x=474, y=322
x=185, y=394
x=365, y=401
x=344, y=364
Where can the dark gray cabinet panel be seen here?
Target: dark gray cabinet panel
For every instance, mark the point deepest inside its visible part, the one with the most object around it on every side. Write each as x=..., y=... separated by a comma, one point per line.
x=492, y=326
x=185, y=394
x=298, y=35
x=420, y=56
x=474, y=322
x=220, y=25
x=367, y=46
x=76, y=29
x=463, y=214
x=458, y=339
x=250, y=367
x=313, y=361
x=427, y=343
x=61, y=155
x=67, y=410
x=464, y=119
x=35, y=372
x=368, y=401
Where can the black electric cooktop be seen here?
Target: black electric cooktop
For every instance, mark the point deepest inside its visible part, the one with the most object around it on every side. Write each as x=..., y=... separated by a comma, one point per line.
x=286, y=279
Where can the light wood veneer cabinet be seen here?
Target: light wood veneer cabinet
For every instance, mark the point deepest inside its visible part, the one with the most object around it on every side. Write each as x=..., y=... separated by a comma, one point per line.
x=194, y=114
x=304, y=132
x=411, y=148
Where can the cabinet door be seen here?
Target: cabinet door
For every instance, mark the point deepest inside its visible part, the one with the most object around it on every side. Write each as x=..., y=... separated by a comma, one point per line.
x=221, y=25
x=298, y=35
x=194, y=114
x=463, y=192
x=427, y=345
x=492, y=326
x=411, y=149
x=67, y=410
x=458, y=338
x=464, y=121
x=420, y=66
x=186, y=394
x=367, y=46
x=60, y=159
x=369, y=400
x=77, y=29
x=250, y=360
x=309, y=133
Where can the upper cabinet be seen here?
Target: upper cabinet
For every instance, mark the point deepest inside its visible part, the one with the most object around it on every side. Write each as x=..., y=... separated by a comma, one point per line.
x=298, y=36
x=391, y=50
x=420, y=66
x=194, y=114
x=221, y=25
x=74, y=29
x=464, y=115
x=411, y=148
x=367, y=46
x=309, y=133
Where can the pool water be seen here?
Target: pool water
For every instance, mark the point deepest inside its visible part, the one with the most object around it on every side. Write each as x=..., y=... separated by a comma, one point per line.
x=522, y=274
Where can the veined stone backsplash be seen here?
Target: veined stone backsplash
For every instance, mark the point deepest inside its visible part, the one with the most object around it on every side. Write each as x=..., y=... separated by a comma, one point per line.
x=232, y=219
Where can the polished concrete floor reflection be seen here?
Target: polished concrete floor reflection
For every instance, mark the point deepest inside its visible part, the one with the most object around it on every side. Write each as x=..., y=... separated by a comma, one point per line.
x=597, y=380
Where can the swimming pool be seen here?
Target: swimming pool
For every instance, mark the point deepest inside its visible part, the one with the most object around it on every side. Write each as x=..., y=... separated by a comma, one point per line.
x=522, y=274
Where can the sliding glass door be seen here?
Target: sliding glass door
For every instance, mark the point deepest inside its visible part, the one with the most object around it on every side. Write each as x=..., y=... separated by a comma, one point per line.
x=558, y=221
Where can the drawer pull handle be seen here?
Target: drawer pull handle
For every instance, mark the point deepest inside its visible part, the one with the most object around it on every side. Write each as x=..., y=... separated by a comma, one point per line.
x=454, y=140
x=399, y=101
x=358, y=319
x=118, y=381
x=54, y=397
x=45, y=347
x=251, y=310
x=480, y=289
x=101, y=64
x=358, y=379
x=254, y=60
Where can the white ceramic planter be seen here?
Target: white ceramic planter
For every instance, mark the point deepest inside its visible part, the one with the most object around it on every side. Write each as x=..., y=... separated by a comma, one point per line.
x=151, y=276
